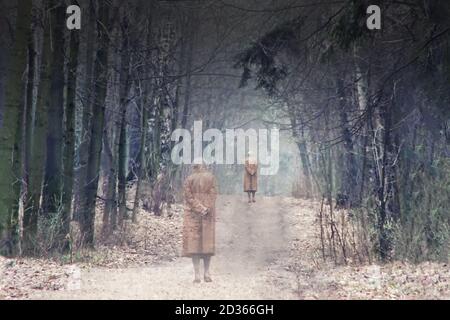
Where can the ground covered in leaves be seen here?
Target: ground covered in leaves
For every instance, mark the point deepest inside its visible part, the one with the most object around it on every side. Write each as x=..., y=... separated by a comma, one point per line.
x=266, y=251
x=325, y=280
x=150, y=241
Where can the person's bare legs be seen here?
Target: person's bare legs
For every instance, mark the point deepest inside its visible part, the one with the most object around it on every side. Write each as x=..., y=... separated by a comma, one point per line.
x=196, y=262
x=206, y=262
x=253, y=195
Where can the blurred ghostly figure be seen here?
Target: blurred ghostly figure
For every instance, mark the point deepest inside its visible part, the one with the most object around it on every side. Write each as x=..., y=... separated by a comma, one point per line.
x=199, y=219
x=251, y=177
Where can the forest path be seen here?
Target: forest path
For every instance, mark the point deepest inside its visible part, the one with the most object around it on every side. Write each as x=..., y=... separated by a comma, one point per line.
x=253, y=242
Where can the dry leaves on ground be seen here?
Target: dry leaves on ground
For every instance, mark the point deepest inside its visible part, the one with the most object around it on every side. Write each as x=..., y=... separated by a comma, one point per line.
x=151, y=240
x=318, y=279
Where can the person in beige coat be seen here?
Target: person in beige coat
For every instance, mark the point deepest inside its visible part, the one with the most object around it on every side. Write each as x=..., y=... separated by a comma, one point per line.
x=200, y=195
x=251, y=177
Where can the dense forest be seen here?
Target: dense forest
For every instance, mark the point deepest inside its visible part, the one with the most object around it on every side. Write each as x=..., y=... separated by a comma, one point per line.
x=87, y=115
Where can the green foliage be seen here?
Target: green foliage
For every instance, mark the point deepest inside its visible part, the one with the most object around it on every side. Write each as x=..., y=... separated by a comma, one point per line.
x=351, y=25
x=262, y=56
x=423, y=232
x=434, y=68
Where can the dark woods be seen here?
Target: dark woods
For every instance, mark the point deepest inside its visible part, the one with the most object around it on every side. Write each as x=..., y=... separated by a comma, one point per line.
x=370, y=114
x=73, y=100
x=86, y=115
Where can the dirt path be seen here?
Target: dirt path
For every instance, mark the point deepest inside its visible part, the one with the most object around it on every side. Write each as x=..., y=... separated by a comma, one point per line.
x=252, y=240
x=266, y=250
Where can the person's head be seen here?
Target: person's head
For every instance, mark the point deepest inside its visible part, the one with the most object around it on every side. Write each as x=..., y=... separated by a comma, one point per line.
x=251, y=157
x=198, y=164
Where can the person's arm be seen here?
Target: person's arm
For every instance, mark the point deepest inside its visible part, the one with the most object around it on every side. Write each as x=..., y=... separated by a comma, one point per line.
x=249, y=168
x=212, y=194
x=255, y=169
x=191, y=201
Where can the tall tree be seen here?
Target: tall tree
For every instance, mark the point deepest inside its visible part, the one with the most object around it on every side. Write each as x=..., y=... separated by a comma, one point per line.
x=125, y=84
x=111, y=135
x=69, y=135
x=52, y=195
x=37, y=146
x=349, y=171
x=10, y=157
x=29, y=126
x=145, y=91
x=88, y=84
x=29, y=108
x=189, y=38
x=95, y=146
x=3, y=56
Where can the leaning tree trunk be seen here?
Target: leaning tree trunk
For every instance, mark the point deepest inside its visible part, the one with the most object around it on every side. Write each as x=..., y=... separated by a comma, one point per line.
x=87, y=216
x=298, y=134
x=10, y=157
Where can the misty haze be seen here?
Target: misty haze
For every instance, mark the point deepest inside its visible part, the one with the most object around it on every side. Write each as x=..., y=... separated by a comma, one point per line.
x=224, y=149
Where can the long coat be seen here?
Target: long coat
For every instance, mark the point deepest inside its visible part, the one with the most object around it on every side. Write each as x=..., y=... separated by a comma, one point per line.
x=199, y=231
x=250, y=176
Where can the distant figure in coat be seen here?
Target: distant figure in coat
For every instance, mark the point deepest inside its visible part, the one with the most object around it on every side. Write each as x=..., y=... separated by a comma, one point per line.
x=200, y=195
x=251, y=177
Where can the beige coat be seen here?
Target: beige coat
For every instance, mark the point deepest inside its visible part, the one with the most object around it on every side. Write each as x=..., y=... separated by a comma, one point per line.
x=250, y=176
x=199, y=231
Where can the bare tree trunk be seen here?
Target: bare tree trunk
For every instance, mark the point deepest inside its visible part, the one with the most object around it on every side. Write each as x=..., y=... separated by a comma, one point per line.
x=69, y=144
x=302, y=147
x=29, y=223
x=125, y=84
x=110, y=211
x=111, y=140
x=95, y=145
x=87, y=111
x=329, y=190
x=52, y=194
x=4, y=52
x=387, y=206
x=29, y=108
x=349, y=170
x=190, y=39
x=10, y=157
x=362, y=89
x=141, y=171
x=38, y=148
x=145, y=90
x=122, y=195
